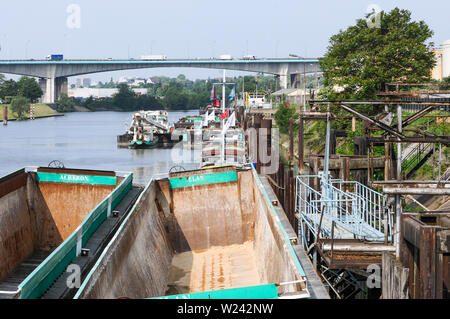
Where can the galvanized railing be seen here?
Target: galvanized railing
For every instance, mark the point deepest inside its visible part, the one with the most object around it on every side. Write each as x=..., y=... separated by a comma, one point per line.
x=358, y=211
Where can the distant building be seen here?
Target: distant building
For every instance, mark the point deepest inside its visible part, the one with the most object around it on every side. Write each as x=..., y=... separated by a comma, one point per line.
x=85, y=93
x=442, y=68
x=82, y=82
x=86, y=82
x=293, y=96
x=436, y=73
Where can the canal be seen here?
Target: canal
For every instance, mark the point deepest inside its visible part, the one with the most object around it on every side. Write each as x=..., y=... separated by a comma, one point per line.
x=86, y=140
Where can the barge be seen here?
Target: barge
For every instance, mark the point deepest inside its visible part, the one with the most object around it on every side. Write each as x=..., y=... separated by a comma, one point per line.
x=206, y=233
x=51, y=218
x=148, y=129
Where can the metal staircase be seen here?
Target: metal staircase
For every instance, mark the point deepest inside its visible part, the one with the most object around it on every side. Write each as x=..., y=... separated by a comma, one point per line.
x=415, y=157
x=343, y=284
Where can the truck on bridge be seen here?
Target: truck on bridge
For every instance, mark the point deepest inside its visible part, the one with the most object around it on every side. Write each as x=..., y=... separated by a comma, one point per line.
x=55, y=57
x=153, y=57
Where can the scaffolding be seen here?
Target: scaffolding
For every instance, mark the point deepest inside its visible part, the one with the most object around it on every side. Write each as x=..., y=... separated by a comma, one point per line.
x=340, y=209
x=355, y=210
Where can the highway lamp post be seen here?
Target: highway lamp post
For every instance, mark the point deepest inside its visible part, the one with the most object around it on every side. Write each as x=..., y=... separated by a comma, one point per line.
x=3, y=45
x=26, y=49
x=223, y=119
x=223, y=134
x=304, y=82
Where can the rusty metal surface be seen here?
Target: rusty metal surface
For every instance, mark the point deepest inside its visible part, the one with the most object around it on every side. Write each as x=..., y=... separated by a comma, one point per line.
x=12, y=182
x=70, y=204
x=211, y=215
x=222, y=235
x=420, y=252
x=16, y=231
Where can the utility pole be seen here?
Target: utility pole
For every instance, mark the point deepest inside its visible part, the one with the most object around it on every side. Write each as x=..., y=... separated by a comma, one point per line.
x=304, y=87
x=398, y=204
x=223, y=120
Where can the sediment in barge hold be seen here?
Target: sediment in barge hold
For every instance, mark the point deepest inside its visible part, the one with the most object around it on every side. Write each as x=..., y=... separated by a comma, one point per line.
x=209, y=233
x=47, y=216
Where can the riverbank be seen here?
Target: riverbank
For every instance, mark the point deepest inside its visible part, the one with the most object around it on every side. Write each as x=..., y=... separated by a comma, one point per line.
x=40, y=111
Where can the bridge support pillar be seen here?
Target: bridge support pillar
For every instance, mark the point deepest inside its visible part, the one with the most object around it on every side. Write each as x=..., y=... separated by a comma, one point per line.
x=283, y=81
x=53, y=88
x=61, y=87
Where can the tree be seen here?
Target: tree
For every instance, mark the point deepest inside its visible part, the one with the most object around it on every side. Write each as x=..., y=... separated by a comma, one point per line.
x=362, y=59
x=20, y=105
x=124, y=98
x=282, y=117
x=29, y=88
x=8, y=88
x=65, y=103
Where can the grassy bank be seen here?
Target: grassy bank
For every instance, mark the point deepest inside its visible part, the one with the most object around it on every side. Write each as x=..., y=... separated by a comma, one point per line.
x=39, y=110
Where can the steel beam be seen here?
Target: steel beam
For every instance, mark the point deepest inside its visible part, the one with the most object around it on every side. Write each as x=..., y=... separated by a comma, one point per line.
x=416, y=191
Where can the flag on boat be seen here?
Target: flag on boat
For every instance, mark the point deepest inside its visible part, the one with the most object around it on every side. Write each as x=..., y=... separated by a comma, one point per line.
x=205, y=119
x=231, y=96
x=212, y=116
x=231, y=122
x=223, y=116
x=213, y=93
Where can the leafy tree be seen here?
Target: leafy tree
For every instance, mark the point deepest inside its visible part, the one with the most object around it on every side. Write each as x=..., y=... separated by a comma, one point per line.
x=65, y=103
x=175, y=99
x=20, y=105
x=8, y=88
x=282, y=117
x=124, y=98
x=362, y=59
x=2, y=78
x=29, y=88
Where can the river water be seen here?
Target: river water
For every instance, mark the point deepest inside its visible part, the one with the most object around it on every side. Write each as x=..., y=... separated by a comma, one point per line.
x=84, y=140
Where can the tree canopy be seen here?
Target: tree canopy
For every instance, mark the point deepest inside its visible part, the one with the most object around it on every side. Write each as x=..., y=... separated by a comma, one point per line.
x=125, y=97
x=65, y=103
x=8, y=88
x=363, y=58
x=29, y=88
x=20, y=105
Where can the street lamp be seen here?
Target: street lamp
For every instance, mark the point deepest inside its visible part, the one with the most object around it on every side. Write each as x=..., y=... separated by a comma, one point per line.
x=304, y=80
x=26, y=49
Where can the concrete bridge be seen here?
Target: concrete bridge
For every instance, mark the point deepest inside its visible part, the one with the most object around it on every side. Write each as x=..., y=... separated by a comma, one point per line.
x=53, y=74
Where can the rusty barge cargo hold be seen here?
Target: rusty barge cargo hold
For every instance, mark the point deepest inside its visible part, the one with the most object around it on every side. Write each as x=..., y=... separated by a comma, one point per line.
x=207, y=233
x=52, y=218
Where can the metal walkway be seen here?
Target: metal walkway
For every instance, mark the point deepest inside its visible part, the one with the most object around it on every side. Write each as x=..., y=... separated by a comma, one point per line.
x=356, y=211
x=340, y=209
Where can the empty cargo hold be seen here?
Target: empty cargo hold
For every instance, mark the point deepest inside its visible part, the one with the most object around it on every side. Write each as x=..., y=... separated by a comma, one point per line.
x=46, y=217
x=208, y=233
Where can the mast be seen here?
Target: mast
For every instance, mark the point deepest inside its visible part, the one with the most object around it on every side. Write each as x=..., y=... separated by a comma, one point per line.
x=222, y=156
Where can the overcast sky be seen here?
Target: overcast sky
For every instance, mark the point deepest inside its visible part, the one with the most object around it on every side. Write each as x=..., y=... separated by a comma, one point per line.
x=188, y=28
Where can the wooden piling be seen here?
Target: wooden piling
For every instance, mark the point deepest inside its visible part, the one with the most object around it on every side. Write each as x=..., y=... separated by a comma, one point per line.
x=300, y=143
x=291, y=141
x=5, y=115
